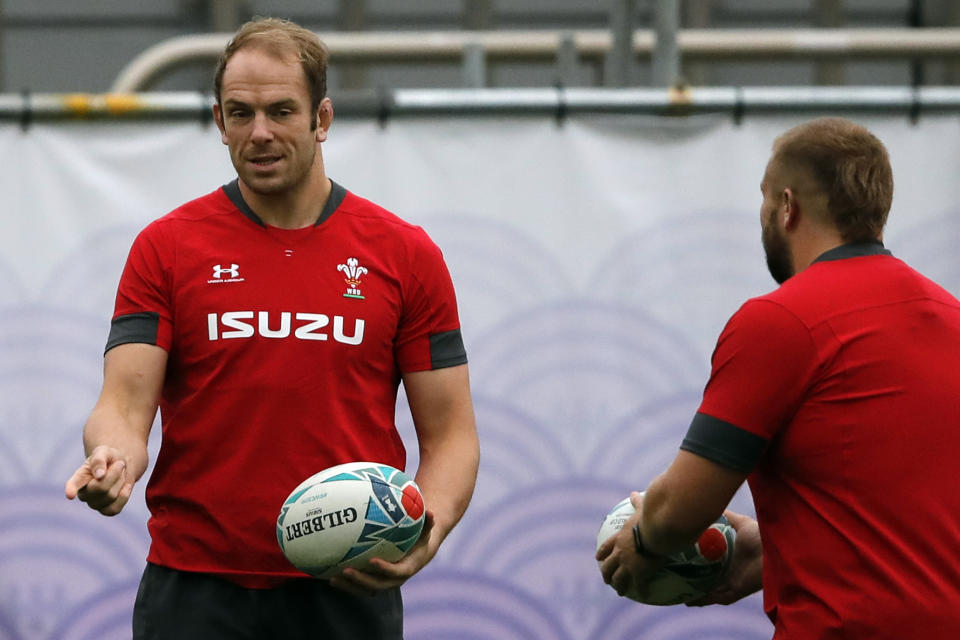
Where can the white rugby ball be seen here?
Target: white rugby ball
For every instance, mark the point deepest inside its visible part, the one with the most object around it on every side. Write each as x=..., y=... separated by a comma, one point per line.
x=687, y=574
x=346, y=515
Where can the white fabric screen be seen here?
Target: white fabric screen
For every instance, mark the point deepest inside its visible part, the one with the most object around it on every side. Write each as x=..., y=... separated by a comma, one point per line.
x=595, y=261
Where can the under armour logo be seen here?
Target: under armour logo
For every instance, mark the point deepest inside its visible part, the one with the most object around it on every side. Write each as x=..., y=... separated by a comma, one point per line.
x=233, y=271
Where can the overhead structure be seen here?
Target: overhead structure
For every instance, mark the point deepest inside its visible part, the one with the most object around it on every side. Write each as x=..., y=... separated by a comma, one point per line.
x=467, y=47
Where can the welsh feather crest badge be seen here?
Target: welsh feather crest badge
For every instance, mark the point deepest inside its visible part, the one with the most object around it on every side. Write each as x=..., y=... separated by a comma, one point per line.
x=353, y=272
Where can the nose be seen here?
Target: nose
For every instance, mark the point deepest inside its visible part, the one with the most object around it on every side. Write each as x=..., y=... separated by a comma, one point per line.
x=261, y=132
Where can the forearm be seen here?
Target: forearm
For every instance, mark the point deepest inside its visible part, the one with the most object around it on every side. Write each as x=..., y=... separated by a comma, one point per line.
x=124, y=413
x=447, y=436
x=126, y=432
x=665, y=528
x=447, y=476
x=684, y=500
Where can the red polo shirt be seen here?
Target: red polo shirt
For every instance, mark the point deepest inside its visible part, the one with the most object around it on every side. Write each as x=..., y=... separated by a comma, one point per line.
x=840, y=391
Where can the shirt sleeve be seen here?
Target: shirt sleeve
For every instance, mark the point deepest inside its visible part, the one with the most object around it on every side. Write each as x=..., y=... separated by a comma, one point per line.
x=762, y=367
x=429, y=334
x=143, y=312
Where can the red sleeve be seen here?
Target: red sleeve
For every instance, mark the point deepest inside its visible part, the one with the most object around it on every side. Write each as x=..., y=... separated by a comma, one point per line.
x=429, y=334
x=763, y=365
x=143, y=310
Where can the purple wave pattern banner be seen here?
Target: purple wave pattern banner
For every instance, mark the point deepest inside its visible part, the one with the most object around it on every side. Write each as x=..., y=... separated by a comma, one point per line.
x=579, y=365
x=55, y=556
x=87, y=279
x=517, y=450
x=12, y=290
x=8, y=629
x=690, y=273
x=501, y=268
x=643, y=442
x=449, y=604
x=50, y=372
x=542, y=539
x=627, y=621
x=104, y=616
x=595, y=265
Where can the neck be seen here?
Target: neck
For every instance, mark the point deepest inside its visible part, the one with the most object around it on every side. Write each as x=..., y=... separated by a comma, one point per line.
x=811, y=245
x=294, y=208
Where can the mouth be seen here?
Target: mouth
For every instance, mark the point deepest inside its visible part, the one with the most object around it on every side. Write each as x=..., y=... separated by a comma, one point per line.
x=264, y=161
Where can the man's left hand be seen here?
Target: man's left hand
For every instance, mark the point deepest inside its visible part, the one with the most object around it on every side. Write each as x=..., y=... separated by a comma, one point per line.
x=622, y=567
x=381, y=575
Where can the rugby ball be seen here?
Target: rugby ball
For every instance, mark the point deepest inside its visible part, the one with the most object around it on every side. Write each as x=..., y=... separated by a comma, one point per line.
x=687, y=574
x=348, y=514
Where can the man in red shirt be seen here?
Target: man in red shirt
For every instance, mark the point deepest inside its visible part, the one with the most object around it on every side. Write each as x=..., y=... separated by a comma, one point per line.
x=837, y=396
x=272, y=321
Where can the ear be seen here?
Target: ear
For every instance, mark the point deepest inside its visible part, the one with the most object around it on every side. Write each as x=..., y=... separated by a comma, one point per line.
x=218, y=118
x=324, y=119
x=790, y=207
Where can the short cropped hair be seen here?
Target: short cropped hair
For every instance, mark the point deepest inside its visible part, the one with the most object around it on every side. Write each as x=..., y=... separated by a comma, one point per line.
x=852, y=168
x=281, y=37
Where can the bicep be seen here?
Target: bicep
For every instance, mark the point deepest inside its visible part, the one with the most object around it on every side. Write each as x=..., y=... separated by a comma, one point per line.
x=763, y=365
x=439, y=400
x=447, y=437
x=133, y=376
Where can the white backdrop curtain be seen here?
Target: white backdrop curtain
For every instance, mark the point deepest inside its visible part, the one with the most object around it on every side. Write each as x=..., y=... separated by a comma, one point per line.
x=595, y=260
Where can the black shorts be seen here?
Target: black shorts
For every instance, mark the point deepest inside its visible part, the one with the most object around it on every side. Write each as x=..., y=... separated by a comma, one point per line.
x=181, y=605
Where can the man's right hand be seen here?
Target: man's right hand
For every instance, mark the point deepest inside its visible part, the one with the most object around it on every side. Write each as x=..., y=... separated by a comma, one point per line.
x=102, y=481
x=745, y=573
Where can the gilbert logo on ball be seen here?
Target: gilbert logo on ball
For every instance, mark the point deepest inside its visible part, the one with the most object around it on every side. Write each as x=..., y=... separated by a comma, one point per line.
x=687, y=574
x=346, y=515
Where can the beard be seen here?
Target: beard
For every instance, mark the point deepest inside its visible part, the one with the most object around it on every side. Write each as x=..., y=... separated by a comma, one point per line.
x=777, y=252
x=296, y=170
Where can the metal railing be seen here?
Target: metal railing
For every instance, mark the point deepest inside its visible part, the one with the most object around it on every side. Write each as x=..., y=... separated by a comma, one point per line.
x=555, y=102
x=697, y=45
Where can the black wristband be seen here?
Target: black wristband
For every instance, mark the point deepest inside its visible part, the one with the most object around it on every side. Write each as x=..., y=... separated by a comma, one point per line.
x=638, y=545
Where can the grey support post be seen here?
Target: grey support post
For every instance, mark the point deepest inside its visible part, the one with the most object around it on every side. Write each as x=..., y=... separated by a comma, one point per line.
x=616, y=72
x=666, y=53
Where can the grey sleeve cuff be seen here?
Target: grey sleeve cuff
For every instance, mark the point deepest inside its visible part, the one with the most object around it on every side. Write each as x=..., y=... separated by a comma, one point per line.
x=447, y=350
x=726, y=444
x=133, y=327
